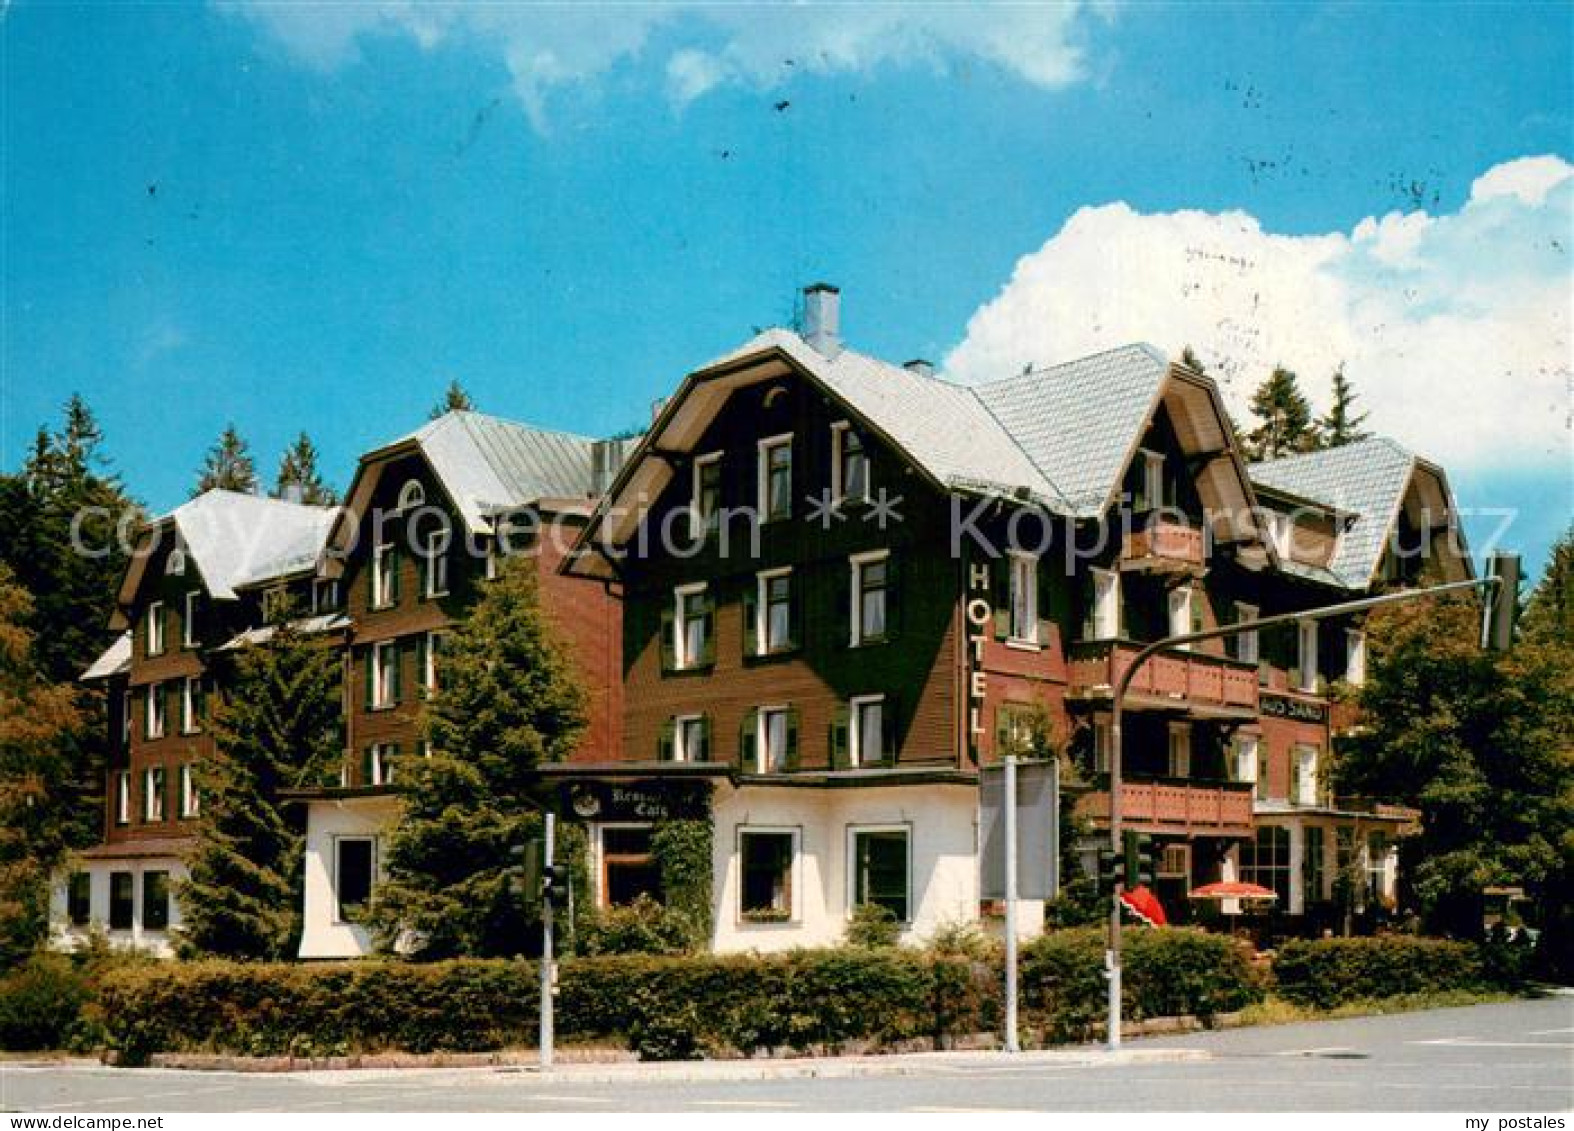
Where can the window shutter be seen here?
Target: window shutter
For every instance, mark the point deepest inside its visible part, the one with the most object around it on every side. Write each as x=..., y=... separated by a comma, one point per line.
x=750, y=604
x=200, y=707
x=1089, y=608
x=368, y=681
x=422, y=691
x=1000, y=573
x=790, y=759
x=366, y=765
x=392, y=761
x=1047, y=593
x=666, y=741
x=748, y=737
x=709, y=618
x=888, y=731
x=394, y=571
x=423, y=569
x=704, y=753
x=843, y=606
x=1199, y=598
x=171, y=705
x=893, y=596
x=838, y=738
x=795, y=610
x=397, y=652
x=669, y=626
x=165, y=618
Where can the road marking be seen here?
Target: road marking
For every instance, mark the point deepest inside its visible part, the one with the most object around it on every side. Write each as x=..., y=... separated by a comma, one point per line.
x=1473, y=1043
x=570, y=1099
x=969, y=1110
x=1549, y=1032
x=770, y=1104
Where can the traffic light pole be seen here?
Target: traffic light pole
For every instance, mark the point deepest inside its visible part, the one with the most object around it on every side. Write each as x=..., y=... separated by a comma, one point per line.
x=548, y=830
x=1497, y=631
x=1010, y=760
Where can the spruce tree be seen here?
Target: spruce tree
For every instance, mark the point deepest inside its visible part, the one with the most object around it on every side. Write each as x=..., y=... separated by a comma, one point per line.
x=509, y=698
x=1549, y=614
x=298, y=471
x=1284, y=418
x=455, y=399
x=39, y=722
x=279, y=727
x=1191, y=361
x=1341, y=424
x=228, y=465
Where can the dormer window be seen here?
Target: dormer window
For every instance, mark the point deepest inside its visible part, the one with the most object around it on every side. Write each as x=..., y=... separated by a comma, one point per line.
x=849, y=463
x=411, y=495
x=1150, y=493
x=175, y=564
x=775, y=478
x=705, y=503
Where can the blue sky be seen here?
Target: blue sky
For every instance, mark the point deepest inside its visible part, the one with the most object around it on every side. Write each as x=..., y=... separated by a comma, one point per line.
x=315, y=216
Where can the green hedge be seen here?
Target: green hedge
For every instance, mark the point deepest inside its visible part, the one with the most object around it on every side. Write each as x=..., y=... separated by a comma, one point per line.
x=1324, y=973
x=662, y=1006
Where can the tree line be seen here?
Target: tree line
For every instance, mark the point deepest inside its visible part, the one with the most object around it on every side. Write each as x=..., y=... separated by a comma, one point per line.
x=1284, y=423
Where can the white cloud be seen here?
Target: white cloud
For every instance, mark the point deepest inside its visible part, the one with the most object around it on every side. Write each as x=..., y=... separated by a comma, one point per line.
x=552, y=46
x=1455, y=329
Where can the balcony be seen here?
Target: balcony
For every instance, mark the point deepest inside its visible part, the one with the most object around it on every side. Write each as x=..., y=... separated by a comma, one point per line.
x=1162, y=545
x=1194, y=682
x=1176, y=805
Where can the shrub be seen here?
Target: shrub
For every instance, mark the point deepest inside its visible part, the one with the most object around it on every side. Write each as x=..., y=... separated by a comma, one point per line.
x=1324, y=973
x=872, y=925
x=641, y=927
x=41, y=1002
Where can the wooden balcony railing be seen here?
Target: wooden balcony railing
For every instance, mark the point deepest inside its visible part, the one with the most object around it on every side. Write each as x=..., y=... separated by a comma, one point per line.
x=1184, y=678
x=1162, y=544
x=1176, y=805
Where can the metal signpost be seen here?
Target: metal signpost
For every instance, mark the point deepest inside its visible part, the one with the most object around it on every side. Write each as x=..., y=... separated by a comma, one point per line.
x=548, y=895
x=1497, y=632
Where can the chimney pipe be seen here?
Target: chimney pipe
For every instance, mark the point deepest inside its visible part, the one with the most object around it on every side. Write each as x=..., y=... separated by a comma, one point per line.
x=919, y=366
x=822, y=318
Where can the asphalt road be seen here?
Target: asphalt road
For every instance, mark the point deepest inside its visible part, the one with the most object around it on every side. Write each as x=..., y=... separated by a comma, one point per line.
x=1512, y=1057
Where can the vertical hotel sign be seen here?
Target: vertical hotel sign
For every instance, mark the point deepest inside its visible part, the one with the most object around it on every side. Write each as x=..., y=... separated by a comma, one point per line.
x=980, y=619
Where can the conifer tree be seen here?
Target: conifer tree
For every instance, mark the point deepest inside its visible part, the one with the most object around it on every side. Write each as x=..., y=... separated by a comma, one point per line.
x=38, y=724
x=228, y=465
x=1284, y=418
x=1191, y=361
x=298, y=471
x=1341, y=424
x=509, y=698
x=1549, y=614
x=455, y=399
x=279, y=727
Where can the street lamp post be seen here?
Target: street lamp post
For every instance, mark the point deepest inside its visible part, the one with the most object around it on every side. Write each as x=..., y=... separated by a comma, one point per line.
x=1497, y=632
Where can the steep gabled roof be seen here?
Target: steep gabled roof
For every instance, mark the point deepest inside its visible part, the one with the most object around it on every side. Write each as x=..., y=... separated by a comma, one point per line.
x=112, y=661
x=1369, y=479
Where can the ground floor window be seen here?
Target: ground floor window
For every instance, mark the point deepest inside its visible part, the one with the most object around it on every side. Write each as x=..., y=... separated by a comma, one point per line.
x=1376, y=865
x=628, y=865
x=121, y=901
x=767, y=862
x=1266, y=861
x=353, y=863
x=1314, y=869
x=79, y=898
x=155, y=901
x=880, y=870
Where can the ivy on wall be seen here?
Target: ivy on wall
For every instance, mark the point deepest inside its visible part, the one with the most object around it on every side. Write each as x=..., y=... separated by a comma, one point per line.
x=682, y=849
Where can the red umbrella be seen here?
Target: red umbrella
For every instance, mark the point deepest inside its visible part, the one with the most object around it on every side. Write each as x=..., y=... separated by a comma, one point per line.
x=1233, y=889
x=1144, y=905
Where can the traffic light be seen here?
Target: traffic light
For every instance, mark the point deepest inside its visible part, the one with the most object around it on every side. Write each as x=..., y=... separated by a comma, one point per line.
x=524, y=872
x=1109, y=869
x=1138, y=859
x=1497, y=630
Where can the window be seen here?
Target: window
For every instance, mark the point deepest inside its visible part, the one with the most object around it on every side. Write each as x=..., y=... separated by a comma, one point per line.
x=125, y=717
x=1278, y=532
x=188, y=623
x=1303, y=790
x=435, y=562
x=1104, y=618
x=1266, y=861
x=154, y=628
x=695, y=627
x=869, y=734
x=1376, y=866
x=192, y=705
x=775, y=478
x=778, y=740
x=1174, y=862
x=1355, y=656
x=1246, y=758
x=325, y=595
x=175, y=564
x=1151, y=489
x=690, y=740
x=771, y=630
x=155, y=901
x=880, y=869
x=431, y=647
x=1313, y=866
x=766, y=862
x=153, y=720
x=377, y=763
x=1180, y=602
x=1103, y=740
x=79, y=899
x=121, y=901
x=353, y=861
x=122, y=797
x=849, y=463
x=411, y=495
x=153, y=794
x=705, y=504
x=385, y=576
x=870, y=575
x=1306, y=664
x=385, y=674
x=1024, y=597
x=190, y=803
x=1180, y=750
x=1246, y=642
x=628, y=867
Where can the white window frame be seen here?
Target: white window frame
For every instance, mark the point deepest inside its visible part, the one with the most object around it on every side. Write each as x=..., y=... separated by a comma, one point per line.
x=855, y=752
x=337, y=862
x=1106, y=603
x=1246, y=646
x=152, y=799
x=839, y=432
x=762, y=730
x=381, y=598
x=794, y=869
x=122, y=797
x=126, y=712
x=382, y=695
x=189, y=723
x=1355, y=656
x=682, y=660
x=411, y=495
x=190, y=802
x=853, y=832
x=1179, y=601
x=856, y=563
x=680, y=744
x=1152, y=478
x=699, y=521
x=1247, y=749
x=766, y=446
x=382, y=763
x=1178, y=751
x=319, y=585
x=155, y=629
x=762, y=611
x=1305, y=759
x=1280, y=533
x=436, y=565
x=1103, y=743
x=1024, y=588
x=1306, y=654
x=188, y=622
x=428, y=675
x=153, y=720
